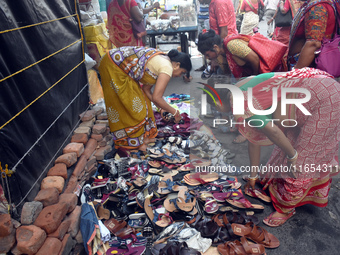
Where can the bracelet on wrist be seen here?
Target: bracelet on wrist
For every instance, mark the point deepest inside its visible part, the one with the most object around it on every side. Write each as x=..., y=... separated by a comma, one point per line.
x=253, y=178
x=294, y=157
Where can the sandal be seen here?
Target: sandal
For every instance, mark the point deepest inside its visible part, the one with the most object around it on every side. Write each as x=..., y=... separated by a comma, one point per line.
x=127, y=249
x=138, y=223
x=164, y=220
x=241, y=248
x=211, y=205
x=268, y=220
x=194, y=179
x=237, y=200
x=256, y=234
x=185, y=201
x=258, y=193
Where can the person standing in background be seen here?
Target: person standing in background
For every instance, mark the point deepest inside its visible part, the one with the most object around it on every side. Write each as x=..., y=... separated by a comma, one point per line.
x=250, y=18
x=222, y=20
x=270, y=6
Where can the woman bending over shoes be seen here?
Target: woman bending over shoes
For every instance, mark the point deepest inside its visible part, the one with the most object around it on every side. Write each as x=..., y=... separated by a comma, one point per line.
x=246, y=55
x=302, y=142
x=127, y=75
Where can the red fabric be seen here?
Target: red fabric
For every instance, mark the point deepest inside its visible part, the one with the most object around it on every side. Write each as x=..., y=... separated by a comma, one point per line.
x=119, y=26
x=329, y=23
x=270, y=54
x=221, y=14
x=247, y=8
x=315, y=138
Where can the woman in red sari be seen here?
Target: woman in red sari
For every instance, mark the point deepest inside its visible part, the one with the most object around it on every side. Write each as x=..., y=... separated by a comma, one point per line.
x=120, y=12
x=307, y=142
x=246, y=55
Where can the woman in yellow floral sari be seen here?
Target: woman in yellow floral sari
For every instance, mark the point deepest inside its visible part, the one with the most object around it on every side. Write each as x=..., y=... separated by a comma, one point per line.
x=128, y=104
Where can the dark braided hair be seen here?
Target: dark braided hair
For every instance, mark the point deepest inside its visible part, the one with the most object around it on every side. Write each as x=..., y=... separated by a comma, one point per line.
x=207, y=40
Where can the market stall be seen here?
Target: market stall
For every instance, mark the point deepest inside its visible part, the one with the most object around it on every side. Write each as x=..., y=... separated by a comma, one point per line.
x=179, y=21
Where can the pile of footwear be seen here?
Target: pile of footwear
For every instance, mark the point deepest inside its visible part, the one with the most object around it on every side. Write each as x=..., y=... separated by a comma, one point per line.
x=163, y=201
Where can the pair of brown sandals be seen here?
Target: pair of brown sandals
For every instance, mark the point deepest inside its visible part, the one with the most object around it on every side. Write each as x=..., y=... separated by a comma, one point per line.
x=249, y=232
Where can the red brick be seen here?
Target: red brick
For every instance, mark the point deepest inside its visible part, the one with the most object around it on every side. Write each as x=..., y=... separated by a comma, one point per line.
x=61, y=230
x=98, y=129
x=74, y=218
x=102, y=143
x=74, y=147
x=90, y=148
x=80, y=166
x=105, y=122
x=68, y=159
x=6, y=225
x=7, y=242
x=97, y=137
x=51, y=246
x=107, y=132
x=70, y=200
x=88, y=124
x=71, y=185
x=30, y=239
x=30, y=212
x=53, y=182
x=92, y=160
x=102, y=116
x=67, y=245
x=48, y=196
x=82, y=130
x=88, y=115
x=51, y=216
x=97, y=110
x=102, y=151
x=80, y=138
x=59, y=169
x=15, y=250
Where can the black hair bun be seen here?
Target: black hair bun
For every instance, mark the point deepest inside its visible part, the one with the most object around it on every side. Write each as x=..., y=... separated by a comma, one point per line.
x=173, y=53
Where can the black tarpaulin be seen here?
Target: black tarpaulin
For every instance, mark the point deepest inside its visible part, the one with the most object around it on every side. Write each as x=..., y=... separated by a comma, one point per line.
x=43, y=87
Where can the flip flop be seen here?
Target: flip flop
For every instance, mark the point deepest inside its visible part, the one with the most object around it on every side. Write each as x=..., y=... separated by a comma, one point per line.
x=155, y=163
x=186, y=167
x=258, y=193
x=185, y=201
x=211, y=205
x=256, y=234
x=164, y=220
x=237, y=200
x=194, y=179
x=282, y=219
